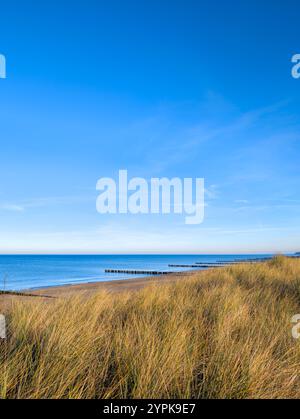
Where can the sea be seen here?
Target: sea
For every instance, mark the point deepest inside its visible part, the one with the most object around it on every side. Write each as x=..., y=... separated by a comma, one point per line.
x=24, y=272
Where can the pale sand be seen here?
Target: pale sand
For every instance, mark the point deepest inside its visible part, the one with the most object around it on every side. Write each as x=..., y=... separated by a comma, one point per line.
x=88, y=289
x=110, y=286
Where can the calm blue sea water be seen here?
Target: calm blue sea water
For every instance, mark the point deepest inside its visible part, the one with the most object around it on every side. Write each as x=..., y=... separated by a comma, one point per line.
x=25, y=272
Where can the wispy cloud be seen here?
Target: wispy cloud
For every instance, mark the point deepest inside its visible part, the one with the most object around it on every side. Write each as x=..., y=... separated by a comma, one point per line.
x=241, y=201
x=45, y=202
x=180, y=143
x=212, y=191
x=12, y=207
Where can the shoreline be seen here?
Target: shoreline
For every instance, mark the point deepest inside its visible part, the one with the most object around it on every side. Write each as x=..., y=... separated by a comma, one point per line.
x=111, y=286
x=97, y=281
x=121, y=285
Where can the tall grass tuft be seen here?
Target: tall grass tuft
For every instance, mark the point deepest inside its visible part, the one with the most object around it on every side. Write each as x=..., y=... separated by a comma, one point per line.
x=224, y=333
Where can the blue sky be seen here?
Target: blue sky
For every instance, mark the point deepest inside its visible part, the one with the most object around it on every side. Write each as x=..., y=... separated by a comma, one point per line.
x=160, y=88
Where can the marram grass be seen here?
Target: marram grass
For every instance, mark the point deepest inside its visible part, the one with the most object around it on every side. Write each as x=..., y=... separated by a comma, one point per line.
x=224, y=333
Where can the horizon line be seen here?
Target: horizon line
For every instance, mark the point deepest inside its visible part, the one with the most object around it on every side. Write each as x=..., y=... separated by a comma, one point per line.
x=146, y=254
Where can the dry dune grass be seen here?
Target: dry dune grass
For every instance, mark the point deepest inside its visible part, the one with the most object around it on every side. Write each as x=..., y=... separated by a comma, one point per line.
x=225, y=333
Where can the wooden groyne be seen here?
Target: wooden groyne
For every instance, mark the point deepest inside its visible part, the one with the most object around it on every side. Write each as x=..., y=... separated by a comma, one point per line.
x=24, y=294
x=210, y=264
x=221, y=263
x=136, y=272
x=238, y=261
x=198, y=265
x=183, y=266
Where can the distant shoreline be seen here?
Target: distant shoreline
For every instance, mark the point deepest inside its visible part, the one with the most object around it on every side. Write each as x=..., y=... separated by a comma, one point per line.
x=32, y=272
x=111, y=286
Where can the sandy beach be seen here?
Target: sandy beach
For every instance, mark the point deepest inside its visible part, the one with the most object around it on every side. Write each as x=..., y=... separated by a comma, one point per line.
x=126, y=285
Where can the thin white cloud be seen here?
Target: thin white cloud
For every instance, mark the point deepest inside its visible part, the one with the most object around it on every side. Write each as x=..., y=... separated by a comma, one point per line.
x=45, y=202
x=186, y=140
x=12, y=207
x=211, y=192
x=241, y=201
